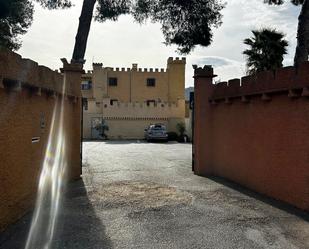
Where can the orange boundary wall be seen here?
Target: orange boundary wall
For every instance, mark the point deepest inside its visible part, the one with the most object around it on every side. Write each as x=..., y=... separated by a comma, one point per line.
x=255, y=131
x=28, y=94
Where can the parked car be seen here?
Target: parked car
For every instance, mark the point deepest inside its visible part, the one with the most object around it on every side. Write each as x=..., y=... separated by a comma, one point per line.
x=156, y=132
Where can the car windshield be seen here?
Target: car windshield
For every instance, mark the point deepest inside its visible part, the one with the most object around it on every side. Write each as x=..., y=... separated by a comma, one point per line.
x=157, y=128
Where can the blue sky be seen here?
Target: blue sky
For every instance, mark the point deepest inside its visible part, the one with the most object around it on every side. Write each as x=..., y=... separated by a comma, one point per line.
x=121, y=43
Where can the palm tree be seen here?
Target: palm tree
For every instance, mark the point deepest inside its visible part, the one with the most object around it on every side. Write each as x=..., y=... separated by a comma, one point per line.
x=267, y=48
x=302, y=48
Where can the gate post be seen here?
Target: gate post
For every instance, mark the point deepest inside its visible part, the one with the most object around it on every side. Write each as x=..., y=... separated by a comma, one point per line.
x=203, y=89
x=72, y=76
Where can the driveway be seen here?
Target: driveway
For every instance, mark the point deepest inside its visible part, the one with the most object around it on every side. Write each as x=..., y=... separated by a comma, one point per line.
x=140, y=195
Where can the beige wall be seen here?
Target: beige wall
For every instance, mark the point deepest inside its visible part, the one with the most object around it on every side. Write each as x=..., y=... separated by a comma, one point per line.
x=122, y=90
x=132, y=93
x=176, y=79
x=170, y=82
x=139, y=109
x=167, y=113
x=140, y=90
x=99, y=83
x=127, y=128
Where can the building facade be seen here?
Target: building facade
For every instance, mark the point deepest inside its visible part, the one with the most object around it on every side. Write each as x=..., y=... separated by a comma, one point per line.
x=127, y=100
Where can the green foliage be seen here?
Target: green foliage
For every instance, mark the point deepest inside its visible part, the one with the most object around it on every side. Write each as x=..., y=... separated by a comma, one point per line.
x=111, y=9
x=185, y=23
x=267, y=48
x=102, y=127
x=302, y=48
x=279, y=2
x=15, y=19
x=181, y=127
x=55, y=4
x=172, y=136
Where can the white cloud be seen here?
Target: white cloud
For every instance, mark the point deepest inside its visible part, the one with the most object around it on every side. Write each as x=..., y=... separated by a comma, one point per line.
x=121, y=43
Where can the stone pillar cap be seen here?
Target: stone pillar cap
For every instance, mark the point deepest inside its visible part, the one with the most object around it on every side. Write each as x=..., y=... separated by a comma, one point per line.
x=73, y=66
x=204, y=72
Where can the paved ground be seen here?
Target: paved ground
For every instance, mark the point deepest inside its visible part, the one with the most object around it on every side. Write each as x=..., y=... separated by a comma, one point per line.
x=138, y=195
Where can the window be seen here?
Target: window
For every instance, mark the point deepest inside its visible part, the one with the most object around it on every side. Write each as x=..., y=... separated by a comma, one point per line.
x=151, y=82
x=112, y=101
x=112, y=81
x=85, y=104
x=151, y=101
x=86, y=85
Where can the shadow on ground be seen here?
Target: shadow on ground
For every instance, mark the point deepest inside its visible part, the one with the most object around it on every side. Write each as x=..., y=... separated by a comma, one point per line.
x=142, y=141
x=77, y=227
x=268, y=200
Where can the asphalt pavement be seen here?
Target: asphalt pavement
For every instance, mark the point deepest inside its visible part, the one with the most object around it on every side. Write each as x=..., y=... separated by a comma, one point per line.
x=144, y=195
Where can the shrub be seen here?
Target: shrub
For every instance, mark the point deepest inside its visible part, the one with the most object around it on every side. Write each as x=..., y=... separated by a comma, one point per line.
x=172, y=136
x=181, y=127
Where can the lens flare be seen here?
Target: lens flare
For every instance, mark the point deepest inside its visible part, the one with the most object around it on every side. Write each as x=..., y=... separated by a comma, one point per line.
x=51, y=183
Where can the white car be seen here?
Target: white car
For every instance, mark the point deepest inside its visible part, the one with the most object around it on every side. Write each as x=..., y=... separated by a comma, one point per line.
x=156, y=132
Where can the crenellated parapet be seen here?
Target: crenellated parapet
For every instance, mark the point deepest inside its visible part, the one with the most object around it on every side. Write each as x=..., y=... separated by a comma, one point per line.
x=128, y=70
x=176, y=60
x=170, y=62
x=254, y=131
x=137, y=109
x=294, y=81
x=17, y=73
x=203, y=72
x=97, y=66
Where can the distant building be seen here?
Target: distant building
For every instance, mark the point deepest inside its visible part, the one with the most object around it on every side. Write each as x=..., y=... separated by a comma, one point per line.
x=128, y=100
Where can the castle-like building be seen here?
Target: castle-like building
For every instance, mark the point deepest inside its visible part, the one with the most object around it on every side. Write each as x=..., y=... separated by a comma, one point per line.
x=127, y=100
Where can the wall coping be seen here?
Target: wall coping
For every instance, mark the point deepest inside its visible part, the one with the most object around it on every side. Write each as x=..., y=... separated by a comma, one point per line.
x=139, y=104
x=17, y=73
x=135, y=68
x=293, y=80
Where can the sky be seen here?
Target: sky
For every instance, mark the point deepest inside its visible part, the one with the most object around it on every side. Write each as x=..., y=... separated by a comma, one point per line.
x=121, y=43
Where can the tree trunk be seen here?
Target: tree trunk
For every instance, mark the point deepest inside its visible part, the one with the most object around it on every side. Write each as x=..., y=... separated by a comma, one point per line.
x=302, y=49
x=83, y=31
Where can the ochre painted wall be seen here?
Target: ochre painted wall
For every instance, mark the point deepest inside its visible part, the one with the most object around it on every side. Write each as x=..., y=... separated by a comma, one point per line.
x=141, y=92
x=27, y=100
x=124, y=125
x=131, y=110
x=259, y=139
x=122, y=90
x=176, y=79
x=21, y=160
x=132, y=83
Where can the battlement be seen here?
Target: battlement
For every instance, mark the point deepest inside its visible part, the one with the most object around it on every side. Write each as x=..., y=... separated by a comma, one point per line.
x=280, y=80
x=262, y=116
x=127, y=70
x=143, y=104
x=206, y=71
x=97, y=65
x=17, y=72
x=135, y=67
x=176, y=60
x=137, y=109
